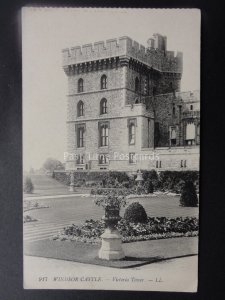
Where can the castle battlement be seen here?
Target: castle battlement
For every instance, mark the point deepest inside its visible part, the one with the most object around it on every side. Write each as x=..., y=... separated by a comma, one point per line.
x=154, y=56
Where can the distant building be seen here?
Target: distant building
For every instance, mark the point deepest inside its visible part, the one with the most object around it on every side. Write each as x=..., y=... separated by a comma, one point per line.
x=125, y=110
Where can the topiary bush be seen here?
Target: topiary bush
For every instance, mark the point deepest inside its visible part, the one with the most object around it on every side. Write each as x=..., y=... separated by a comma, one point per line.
x=28, y=185
x=188, y=195
x=135, y=213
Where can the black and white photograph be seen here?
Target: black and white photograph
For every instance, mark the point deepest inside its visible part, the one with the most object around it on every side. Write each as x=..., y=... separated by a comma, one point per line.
x=111, y=148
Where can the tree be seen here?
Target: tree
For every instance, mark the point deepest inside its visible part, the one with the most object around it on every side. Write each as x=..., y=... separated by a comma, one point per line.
x=28, y=185
x=52, y=164
x=189, y=196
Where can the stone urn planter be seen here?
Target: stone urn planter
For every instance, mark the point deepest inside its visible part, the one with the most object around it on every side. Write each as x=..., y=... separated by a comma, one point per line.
x=139, y=178
x=111, y=248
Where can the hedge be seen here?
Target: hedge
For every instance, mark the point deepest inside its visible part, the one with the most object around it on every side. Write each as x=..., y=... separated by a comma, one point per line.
x=111, y=178
x=164, y=181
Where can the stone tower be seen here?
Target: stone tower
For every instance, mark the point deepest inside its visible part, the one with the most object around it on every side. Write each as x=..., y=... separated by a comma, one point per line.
x=109, y=111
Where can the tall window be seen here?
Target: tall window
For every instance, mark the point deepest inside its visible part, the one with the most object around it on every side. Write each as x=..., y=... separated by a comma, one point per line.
x=104, y=135
x=80, y=87
x=132, y=158
x=190, y=133
x=103, y=106
x=80, y=137
x=183, y=163
x=174, y=109
x=103, y=82
x=103, y=159
x=80, y=109
x=80, y=159
x=132, y=134
x=173, y=136
x=158, y=164
x=137, y=85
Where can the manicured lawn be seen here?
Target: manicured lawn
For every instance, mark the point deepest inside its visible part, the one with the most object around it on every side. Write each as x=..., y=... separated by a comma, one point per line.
x=46, y=185
x=78, y=209
x=166, y=206
x=138, y=253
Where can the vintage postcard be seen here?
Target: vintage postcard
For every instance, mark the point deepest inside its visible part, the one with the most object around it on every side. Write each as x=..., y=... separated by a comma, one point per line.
x=111, y=141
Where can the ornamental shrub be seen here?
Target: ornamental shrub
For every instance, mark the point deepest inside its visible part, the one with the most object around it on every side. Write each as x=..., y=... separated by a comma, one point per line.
x=149, y=187
x=135, y=213
x=169, y=180
x=188, y=195
x=151, y=176
x=28, y=185
x=178, y=186
x=118, y=176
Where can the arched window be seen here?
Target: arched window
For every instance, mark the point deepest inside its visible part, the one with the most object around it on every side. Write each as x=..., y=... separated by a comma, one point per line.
x=103, y=82
x=104, y=135
x=103, y=106
x=174, y=109
x=191, y=107
x=80, y=86
x=137, y=85
x=80, y=109
x=132, y=134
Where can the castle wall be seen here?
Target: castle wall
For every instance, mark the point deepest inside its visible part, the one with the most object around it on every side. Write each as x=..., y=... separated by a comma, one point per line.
x=118, y=141
x=92, y=80
x=153, y=57
x=122, y=61
x=177, y=159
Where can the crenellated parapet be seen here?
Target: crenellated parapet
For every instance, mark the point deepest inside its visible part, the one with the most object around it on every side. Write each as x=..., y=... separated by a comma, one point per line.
x=154, y=56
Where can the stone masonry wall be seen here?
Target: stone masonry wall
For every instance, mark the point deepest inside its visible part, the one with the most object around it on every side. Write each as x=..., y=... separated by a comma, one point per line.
x=153, y=57
x=164, y=116
x=92, y=80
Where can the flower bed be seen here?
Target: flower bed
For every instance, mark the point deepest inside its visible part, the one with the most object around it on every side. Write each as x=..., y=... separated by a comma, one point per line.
x=30, y=205
x=27, y=219
x=155, y=228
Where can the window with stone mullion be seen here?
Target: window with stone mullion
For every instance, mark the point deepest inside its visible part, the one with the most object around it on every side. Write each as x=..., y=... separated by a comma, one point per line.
x=80, y=139
x=104, y=132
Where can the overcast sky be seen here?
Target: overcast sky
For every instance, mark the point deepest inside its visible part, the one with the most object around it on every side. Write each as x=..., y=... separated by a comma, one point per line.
x=47, y=31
